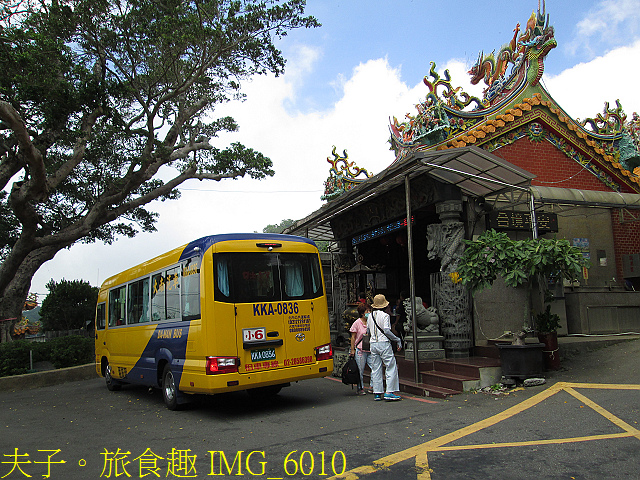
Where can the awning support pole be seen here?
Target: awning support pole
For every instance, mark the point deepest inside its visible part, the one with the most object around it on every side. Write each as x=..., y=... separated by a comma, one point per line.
x=412, y=284
x=534, y=221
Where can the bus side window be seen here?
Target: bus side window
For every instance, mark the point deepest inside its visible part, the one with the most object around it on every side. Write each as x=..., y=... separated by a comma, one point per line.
x=190, y=289
x=165, y=295
x=138, y=301
x=100, y=316
x=158, y=309
x=172, y=291
x=117, y=306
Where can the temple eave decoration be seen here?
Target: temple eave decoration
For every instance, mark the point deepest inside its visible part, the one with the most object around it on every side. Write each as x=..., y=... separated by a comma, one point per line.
x=512, y=102
x=343, y=175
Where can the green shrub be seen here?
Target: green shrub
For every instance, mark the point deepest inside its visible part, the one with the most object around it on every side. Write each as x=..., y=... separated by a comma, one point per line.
x=62, y=352
x=71, y=351
x=14, y=358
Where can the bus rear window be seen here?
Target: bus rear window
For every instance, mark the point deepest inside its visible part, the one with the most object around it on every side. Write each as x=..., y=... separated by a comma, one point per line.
x=266, y=277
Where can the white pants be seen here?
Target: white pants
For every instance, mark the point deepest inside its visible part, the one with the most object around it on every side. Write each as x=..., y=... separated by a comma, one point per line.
x=382, y=352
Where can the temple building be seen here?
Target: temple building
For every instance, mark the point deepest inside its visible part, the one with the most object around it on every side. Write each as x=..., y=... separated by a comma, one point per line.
x=464, y=165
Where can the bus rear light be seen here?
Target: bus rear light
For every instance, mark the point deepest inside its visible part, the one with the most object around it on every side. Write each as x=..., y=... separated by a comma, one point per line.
x=268, y=246
x=216, y=365
x=324, y=352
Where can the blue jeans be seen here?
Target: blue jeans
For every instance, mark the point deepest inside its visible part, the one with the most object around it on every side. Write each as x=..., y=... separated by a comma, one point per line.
x=382, y=352
x=362, y=359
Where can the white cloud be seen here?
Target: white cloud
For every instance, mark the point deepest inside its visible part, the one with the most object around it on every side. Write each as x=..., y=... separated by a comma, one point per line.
x=610, y=24
x=583, y=89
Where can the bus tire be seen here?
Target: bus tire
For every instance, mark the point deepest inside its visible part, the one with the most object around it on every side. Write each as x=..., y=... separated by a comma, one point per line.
x=112, y=384
x=169, y=390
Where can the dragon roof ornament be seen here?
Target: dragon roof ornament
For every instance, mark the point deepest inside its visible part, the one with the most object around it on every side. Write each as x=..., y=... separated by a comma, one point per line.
x=450, y=118
x=342, y=175
x=448, y=111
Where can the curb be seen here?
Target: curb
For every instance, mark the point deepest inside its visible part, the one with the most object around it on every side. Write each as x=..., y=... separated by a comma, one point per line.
x=30, y=381
x=571, y=350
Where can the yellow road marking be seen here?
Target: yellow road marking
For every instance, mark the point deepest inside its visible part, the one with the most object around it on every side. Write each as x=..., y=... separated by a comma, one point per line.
x=420, y=452
x=551, y=441
x=606, y=414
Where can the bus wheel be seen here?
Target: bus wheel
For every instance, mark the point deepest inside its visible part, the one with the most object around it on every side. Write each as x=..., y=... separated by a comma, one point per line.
x=169, y=390
x=112, y=385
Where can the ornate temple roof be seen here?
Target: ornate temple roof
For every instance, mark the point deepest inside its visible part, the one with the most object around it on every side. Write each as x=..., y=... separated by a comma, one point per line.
x=515, y=104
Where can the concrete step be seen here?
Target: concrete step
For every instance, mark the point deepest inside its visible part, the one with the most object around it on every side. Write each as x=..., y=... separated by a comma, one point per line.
x=424, y=390
x=470, y=366
x=438, y=378
x=452, y=381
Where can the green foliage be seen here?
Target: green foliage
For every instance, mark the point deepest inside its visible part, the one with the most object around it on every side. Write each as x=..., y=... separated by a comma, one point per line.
x=323, y=246
x=546, y=321
x=69, y=305
x=494, y=254
x=279, y=227
x=14, y=357
x=71, y=351
x=61, y=352
x=98, y=97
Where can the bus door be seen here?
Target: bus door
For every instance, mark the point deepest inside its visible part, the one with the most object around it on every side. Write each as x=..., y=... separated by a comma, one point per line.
x=117, y=332
x=259, y=313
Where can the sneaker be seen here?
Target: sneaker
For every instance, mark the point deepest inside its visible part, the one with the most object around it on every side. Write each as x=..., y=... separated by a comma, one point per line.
x=391, y=397
x=377, y=397
x=361, y=392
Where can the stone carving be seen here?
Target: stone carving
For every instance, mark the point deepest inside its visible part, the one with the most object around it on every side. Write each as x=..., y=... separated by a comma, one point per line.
x=427, y=319
x=445, y=241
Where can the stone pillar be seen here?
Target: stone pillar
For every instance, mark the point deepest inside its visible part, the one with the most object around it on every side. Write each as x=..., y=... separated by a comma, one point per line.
x=449, y=211
x=451, y=299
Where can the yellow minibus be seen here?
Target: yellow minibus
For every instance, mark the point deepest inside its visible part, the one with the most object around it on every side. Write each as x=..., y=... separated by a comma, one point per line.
x=222, y=313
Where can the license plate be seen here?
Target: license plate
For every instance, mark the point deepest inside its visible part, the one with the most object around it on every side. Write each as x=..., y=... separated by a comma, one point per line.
x=263, y=354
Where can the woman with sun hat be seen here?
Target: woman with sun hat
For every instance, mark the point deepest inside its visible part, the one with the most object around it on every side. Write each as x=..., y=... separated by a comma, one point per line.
x=379, y=326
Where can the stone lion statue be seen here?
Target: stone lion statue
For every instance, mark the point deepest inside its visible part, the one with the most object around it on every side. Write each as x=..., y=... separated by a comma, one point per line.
x=426, y=318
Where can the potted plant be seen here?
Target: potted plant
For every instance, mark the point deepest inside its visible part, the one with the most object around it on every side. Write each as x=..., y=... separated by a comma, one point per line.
x=529, y=263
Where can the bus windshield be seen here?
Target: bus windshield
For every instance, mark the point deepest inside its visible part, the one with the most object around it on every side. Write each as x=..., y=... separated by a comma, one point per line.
x=266, y=277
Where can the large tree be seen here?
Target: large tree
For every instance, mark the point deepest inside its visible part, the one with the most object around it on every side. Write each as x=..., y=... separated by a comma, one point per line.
x=70, y=305
x=107, y=105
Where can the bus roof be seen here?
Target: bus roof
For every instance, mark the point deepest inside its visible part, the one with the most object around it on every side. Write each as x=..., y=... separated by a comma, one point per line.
x=202, y=244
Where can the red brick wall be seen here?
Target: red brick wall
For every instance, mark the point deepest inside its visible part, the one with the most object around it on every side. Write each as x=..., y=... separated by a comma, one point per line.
x=626, y=236
x=550, y=165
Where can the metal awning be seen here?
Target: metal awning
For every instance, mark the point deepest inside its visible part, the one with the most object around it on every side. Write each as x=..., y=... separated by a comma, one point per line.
x=589, y=198
x=475, y=171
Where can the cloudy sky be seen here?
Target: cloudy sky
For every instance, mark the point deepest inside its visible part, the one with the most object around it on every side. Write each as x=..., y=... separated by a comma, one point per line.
x=342, y=84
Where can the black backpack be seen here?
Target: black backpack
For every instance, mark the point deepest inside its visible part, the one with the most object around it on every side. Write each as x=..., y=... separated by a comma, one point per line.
x=350, y=372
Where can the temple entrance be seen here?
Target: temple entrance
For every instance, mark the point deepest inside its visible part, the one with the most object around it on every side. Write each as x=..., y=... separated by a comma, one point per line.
x=387, y=256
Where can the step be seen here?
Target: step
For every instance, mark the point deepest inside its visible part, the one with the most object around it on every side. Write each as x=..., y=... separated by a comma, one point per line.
x=451, y=381
x=465, y=366
x=424, y=390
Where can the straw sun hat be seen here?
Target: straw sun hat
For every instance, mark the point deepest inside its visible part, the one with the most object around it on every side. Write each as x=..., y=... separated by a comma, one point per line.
x=379, y=301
